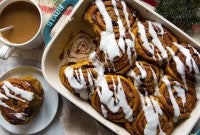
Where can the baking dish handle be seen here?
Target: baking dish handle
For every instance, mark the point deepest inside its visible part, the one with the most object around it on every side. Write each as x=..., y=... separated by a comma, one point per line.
x=55, y=17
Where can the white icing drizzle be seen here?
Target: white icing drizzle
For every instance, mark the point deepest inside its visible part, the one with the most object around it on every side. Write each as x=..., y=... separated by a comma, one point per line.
x=156, y=40
x=146, y=44
x=152, y=111
x=159, y=26
x=19, y=115
x=179, y=66
x=104, y=111
x=107, y=97
x=180, y=92
x=172, y=98
x=2, y=96
x=142, y=71
x=108, y=43
x=77, y=81
x=24, y=94
x=130, y=43
x=7, y=92
x=189, y=59
x=98, y=66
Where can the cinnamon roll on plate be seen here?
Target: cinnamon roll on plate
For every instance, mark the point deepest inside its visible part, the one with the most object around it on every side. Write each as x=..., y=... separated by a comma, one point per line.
x=20, y=99
x=25, y=101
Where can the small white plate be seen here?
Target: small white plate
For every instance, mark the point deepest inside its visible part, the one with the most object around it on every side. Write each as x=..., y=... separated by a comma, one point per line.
x=47, y=111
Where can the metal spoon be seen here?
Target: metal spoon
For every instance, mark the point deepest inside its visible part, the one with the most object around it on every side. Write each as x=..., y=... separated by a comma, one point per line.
x=6, y=28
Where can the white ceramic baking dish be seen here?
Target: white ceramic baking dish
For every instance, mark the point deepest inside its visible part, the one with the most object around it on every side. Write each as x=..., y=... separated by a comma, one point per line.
x=74, y=23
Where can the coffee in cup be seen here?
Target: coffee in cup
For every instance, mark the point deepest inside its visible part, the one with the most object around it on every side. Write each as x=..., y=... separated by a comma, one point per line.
x=26, y=17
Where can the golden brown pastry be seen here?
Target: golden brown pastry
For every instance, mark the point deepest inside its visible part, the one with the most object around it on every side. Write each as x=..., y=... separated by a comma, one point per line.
x=152, y=40
x=95, y=18
x=145, y=76
x=79, y=78
x=113, y=21
x=123, y=79
x=79, y=48
x=151, y=120
x=185, y=64
x=176, y=99
x=20, y=99
x=116, y=98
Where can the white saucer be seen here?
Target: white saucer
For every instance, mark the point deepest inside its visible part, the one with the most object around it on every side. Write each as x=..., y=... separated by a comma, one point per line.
x=47, y=111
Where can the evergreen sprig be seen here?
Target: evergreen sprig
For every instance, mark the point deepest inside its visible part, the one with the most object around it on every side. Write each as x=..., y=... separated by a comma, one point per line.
x=182, y=13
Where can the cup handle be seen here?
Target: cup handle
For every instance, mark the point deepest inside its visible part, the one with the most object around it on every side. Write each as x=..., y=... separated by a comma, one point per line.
x=6, y=51
x=55, y=17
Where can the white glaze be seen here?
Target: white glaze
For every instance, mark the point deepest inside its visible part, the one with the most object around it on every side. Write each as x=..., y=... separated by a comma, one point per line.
x=107, y=97
x=180, y=93
x=152, y=111
x=179, y=66
x=7, y=92
x=172, y=98
x=108, y=43
x=24, y=94
x=146, y=44
x=79, y=84
x=189, y=60
x=156, y=40
x=19, y=115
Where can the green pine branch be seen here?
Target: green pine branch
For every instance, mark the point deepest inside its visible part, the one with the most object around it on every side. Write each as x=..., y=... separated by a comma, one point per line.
x=182, y=13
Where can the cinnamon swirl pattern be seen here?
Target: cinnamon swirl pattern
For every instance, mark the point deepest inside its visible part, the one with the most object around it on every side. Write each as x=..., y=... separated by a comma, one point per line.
x=151, y=120
x=185, y=64
x=116, y=98
x=79, y=48
x=116, y=40
x=79, y=78
x=20, y=99
x=152, y=40
x=145, y=77
x=178, y=100
x=139, y=75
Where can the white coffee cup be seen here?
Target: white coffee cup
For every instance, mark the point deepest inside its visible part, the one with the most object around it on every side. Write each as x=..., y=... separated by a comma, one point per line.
x=7, y=47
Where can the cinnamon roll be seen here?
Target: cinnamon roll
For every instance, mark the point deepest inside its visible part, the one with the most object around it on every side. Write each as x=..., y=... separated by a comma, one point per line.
x=178, y=100
x=116, y=98
x=185, y=64
x=145, y=76
x=151, y=41
x=20, y=99
x=79, y=48
x=117, y=49
x=151, y=119
x=79, y=78
x=114, y=11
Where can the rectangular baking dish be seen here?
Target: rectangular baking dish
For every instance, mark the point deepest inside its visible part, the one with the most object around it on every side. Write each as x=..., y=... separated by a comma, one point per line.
x=74, y=23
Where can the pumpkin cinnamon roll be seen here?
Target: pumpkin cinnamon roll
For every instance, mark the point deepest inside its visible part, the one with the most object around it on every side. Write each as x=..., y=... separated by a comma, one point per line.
x=116, y=98
x=151, y=41
x=185, y=64
x=20, y=99
x=79, y=48
x=79, y=78
x=113, y=21
x=151, y=119
x=145, y=76
x=178, y=100
x=115, y=12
